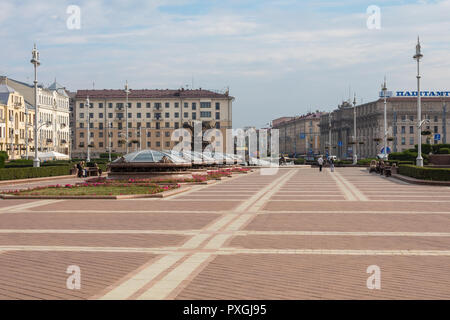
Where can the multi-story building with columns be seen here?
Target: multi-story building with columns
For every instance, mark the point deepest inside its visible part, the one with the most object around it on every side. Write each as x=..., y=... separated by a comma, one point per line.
x=299, y=136
x=152, y=117
x=53, y=117
x=401, y=126
x=16, y=123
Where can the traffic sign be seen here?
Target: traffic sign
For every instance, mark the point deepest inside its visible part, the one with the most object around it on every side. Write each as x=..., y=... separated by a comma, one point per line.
x=302, y=136
x=389, y=94
x=437, y=137
x=340, y=143
x=388, y=150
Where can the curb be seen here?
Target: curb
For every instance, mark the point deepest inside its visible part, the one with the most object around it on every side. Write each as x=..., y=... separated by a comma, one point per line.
x=421, y=182
x=31, y=180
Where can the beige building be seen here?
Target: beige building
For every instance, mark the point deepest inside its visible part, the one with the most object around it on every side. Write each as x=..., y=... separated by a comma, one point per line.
x=299, y=136
x=16, y=120
x=53, y=117
x=401, y=120
x=152, y=117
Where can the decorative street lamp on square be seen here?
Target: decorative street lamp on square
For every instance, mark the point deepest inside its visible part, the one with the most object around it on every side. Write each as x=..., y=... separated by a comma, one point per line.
x=418, y=56
x=35, y=61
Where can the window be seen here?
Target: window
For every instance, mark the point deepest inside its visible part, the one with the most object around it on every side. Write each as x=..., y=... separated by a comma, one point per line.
x=177, y=125
x=130, y=125
x=109, y=105
x=81, y=105
x=194, y=115
x=100, y=126
x=149, y=134
x=138, y=105
x=205, y=105
x=149, y=144
x=205, y=114
x=194, y=106
x=186, y=105
x=81, y=125
x=130, y=105
x=177, y=115
x=411, y=129
x=436, y=129
x=411, y=140
x=110, y=115
x=411, y=118
x=218, y=118
x=158, y=125
x=217, y=105
x=100, y=115
x=139, y=115
x=81, y=115
x=167, y=125
x=217, y=125
x=100, y=134
x=167, y=144
x=148, y=115
x=100, y=144
x=167, y=134
x=138, y=125
x=158, y=105
x=130, y=134
x=158, y=134
x=120, y=126
x=92, y=135
x=148, y=105
x=130, y=115
x=100, y=105
x=158, y=144
x=403, y=117
x=167, y=115
x=81, y=134
x=167, y=105
x=148, y=124
x=177, y=105
x=91, y=115
x=403, y=129
x=403, y=141
x=436, y=119
x=186, y=115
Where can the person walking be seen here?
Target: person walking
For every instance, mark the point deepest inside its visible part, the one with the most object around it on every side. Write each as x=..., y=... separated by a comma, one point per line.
x=320, y=162
x=80, y=170
x=331, y=164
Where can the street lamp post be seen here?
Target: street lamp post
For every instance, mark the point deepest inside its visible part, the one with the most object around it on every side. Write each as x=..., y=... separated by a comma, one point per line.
x=329, y=135
x=109, y=141
x=384, y=90
x=35, y=61
x=418, y=56
x=355, y=142
x=88, y=158
x=127, y=92
x=26, y=132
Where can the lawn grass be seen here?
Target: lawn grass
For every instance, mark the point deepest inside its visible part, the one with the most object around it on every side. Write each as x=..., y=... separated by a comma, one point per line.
x=93, y=190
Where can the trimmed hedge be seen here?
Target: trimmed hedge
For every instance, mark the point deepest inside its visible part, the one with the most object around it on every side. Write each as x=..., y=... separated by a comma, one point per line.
x=435, y=174
x=25, y=173
x=407, y=156
x=444, y=151
x=3, y=158
x=299, y=161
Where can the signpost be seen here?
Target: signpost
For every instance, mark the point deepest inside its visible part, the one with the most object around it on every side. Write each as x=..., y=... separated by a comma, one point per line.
x=437, y=137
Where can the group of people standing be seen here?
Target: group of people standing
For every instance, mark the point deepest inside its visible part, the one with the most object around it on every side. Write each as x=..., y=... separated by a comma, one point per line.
x=321, y=163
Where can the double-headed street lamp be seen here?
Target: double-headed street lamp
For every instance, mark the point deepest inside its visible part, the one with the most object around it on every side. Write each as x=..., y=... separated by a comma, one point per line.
x=418, y=56
x=127, y=92
x=384, y=90
x=35, y=61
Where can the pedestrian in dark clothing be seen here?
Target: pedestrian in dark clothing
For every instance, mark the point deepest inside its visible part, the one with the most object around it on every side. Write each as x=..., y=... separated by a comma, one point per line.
x=320, y=162
x=80, y=170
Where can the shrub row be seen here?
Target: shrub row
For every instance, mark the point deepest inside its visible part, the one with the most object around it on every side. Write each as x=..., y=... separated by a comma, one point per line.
x=424, y=173
x=407, y=155
x=299, y=161
x=3, y=158
x=25, y=173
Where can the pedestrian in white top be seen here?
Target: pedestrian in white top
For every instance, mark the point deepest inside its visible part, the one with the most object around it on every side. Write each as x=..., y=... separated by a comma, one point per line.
x=320, y=162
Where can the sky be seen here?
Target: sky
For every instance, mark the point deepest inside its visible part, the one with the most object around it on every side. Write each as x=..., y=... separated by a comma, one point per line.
x=278, y=58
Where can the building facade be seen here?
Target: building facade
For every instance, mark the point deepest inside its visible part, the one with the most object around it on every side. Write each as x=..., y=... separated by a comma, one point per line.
x=53, y=117
x=152, y=117
x=16, y=124
x=401, y=126
x=299, y=136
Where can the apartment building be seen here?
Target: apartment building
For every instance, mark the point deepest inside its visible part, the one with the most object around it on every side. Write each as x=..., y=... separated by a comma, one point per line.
x=16, y=123
x=299, y=136
x=152, y=117
x=53, y=117
x=401, y=126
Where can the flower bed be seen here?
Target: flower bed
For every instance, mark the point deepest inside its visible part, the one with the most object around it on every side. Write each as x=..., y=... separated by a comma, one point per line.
x=94, y=189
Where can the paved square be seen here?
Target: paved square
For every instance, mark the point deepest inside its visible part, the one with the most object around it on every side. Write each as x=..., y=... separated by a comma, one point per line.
x=299, y=234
